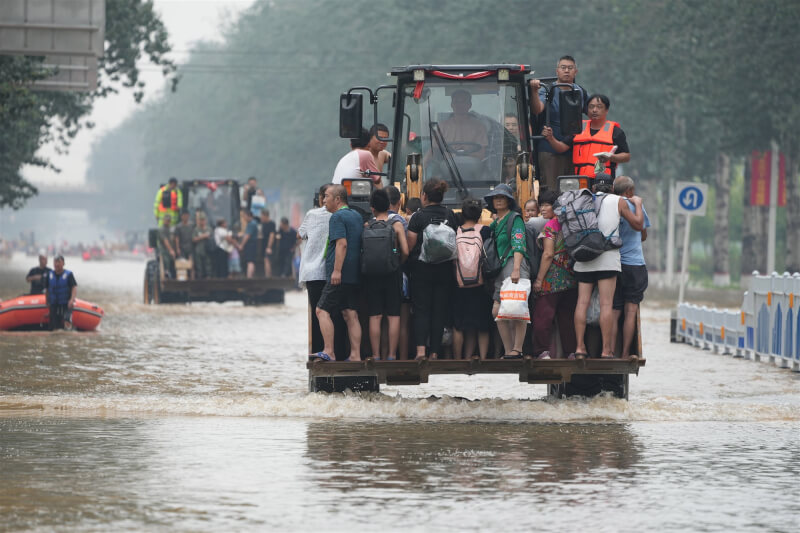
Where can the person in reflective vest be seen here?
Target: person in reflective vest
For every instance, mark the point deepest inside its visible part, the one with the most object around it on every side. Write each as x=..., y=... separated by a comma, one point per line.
x=62, y=289
x=599, y=135
x=169, y=202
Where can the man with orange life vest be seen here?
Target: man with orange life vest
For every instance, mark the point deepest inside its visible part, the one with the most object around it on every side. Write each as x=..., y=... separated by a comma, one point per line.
x=169, y=202
x=598, y=135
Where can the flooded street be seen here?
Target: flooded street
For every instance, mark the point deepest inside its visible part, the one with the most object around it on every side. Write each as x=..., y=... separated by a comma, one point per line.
x=196, y=417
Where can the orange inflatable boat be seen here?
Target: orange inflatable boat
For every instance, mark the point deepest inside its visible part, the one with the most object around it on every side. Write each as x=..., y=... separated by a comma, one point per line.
x=28, y=312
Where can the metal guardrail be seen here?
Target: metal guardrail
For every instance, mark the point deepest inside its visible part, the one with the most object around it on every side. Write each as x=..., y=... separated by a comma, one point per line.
x=766, y=328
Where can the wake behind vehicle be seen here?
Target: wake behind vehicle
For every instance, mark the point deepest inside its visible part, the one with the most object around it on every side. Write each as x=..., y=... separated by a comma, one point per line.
x=216, y=198
x=467, y=125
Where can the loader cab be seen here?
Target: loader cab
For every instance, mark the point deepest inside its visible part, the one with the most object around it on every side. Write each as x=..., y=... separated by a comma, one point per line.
x=450, y=122
x=217, y=198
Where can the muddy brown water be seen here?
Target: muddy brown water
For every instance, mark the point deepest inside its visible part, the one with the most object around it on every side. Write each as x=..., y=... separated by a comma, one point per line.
x=196, y=418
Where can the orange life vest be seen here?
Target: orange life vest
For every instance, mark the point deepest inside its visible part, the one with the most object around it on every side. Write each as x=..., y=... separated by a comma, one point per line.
x=168, y=203
x=585, y=145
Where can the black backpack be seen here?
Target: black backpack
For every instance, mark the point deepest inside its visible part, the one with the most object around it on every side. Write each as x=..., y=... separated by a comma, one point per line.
x=379, y=254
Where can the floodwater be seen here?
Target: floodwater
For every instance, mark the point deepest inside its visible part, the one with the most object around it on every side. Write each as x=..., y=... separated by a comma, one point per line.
x=196, y=418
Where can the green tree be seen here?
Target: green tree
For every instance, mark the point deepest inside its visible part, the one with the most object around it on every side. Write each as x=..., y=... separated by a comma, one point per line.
x=31, y=118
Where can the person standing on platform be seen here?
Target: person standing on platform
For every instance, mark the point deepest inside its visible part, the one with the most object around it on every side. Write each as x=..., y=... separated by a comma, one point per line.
x=342, y=272
x=431, y=283
x=62, y=289
x=249, y=242
x=552, y=162
x=168, y=203
x=37, y=276
x=287, y=242
x=599, y=135
x=167, y=246
x=314, y=231
x=633, y=279
x=604, y=269
x=183, y=236
x=268, y=241
x=203, y=247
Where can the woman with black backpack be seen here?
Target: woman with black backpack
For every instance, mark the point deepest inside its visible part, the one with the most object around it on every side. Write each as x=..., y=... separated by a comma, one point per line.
x=431, y=277
x=383, y=249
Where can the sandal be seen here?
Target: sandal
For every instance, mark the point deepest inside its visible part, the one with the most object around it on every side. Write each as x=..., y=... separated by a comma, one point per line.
x=607, y=356
x=576, y=355
x=319, y=356
x=512, y=355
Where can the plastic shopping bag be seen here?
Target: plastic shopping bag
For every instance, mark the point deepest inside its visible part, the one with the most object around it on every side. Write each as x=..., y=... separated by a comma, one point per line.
x=593, y=312
x=438, y=243
x=514, y=300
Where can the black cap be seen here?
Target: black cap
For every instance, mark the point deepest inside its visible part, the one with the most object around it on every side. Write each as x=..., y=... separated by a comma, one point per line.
x=603, y=178
x=173, y=179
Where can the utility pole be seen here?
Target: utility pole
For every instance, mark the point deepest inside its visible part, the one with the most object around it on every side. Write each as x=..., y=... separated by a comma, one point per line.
x=773, y=209
x=670, y=267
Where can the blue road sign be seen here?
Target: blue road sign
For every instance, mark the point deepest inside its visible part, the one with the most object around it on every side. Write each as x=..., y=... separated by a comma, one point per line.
x=691, y=198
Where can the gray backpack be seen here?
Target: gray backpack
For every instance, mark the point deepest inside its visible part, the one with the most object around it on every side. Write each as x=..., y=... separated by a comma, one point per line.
x=577, y=212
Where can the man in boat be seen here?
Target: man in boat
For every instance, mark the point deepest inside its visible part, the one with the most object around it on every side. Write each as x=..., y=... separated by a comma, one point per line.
x=37, y=276
x=62, y=289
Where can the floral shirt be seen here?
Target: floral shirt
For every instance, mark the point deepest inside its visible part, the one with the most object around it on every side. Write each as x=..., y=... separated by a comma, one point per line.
x=559, y=276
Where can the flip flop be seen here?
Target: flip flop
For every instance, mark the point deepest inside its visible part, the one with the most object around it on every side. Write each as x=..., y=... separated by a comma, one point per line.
x=606, y=357
x=319, y=356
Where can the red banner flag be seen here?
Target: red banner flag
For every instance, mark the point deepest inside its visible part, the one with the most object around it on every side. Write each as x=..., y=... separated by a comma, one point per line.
x=760, y=176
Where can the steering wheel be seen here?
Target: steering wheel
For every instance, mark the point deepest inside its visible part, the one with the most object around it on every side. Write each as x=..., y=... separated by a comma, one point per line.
x=467, y=148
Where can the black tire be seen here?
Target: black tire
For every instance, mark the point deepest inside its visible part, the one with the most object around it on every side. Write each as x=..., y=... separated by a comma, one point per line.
x=150, y=281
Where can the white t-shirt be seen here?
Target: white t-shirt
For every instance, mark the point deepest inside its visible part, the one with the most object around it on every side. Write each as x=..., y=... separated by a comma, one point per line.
x=314, y=230
x=219, y=237
x=607, y=223
x=352, y=164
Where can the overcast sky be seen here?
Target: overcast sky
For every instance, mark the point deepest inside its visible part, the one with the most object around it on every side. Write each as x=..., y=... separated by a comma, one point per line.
x=187, y=21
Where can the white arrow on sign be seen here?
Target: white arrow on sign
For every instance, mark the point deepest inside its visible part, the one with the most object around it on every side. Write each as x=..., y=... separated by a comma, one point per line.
x=691, y=198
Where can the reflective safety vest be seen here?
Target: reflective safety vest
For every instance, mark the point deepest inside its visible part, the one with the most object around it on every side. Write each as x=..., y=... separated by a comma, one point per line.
x=58, y=289
x=585, y=145
x=168, y=202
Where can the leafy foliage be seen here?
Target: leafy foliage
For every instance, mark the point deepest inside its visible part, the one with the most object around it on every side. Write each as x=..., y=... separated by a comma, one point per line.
x=687, y=79
x=31, y=118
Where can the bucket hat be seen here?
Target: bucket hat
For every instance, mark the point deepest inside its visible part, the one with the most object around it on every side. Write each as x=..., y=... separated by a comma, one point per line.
x=500, y=190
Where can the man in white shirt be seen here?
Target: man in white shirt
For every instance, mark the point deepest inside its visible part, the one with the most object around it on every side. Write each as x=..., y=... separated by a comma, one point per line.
x=604, y=269
x=314, y=231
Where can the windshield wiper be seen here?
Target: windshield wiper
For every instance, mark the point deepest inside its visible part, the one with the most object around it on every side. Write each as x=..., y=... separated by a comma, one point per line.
x=436, y=134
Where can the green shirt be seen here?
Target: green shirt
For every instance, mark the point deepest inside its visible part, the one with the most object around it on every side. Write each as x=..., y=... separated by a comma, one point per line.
x=509, y=242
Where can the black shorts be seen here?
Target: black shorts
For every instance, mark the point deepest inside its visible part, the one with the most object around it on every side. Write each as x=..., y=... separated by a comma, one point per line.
x=384, y=293
x=631, y=284
x=594, y=277
x=336, y=298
